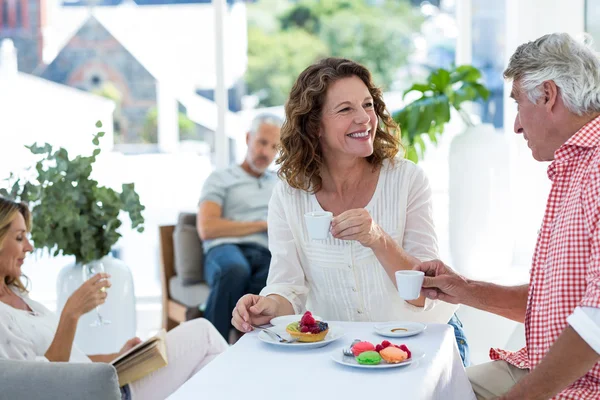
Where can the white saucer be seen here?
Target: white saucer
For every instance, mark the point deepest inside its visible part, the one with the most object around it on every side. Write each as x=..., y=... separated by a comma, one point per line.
x=339, y=357
x=399, y=328
x=285, y=320
x=334, y=334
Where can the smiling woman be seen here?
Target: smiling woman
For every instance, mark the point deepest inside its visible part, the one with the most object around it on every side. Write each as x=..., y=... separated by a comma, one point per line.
x=332, y=92
x=339, y=153
x=13, y=252
x=31, y=332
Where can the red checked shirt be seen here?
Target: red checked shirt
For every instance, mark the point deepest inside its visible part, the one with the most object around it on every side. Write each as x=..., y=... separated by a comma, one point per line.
x=566, y=263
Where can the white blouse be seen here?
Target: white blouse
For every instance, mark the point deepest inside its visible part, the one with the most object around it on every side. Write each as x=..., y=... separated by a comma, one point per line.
x=26, y=335
x=342, y=280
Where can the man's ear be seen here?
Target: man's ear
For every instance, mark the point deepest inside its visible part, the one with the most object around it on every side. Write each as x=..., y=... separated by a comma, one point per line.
x=550, y=94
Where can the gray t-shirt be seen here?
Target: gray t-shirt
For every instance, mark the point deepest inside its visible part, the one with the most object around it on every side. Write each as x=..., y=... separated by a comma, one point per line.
x=242, y=197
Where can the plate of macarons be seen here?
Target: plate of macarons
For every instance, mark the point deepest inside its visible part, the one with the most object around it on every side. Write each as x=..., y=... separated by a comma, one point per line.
x=363, y=354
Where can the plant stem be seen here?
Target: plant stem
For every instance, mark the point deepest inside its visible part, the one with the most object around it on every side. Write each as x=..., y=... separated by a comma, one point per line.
x=465, y=117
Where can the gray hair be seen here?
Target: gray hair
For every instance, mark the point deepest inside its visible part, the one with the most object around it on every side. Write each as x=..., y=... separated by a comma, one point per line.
x=265, y=118
x=572, y=65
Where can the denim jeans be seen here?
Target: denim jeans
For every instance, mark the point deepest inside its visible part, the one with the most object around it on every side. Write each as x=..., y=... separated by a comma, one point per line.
x=233, y=270
x=125, y=393
x=461, y=340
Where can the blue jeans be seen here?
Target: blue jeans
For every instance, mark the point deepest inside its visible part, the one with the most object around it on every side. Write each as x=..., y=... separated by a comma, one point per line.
x=233, y=270
x=461, y=340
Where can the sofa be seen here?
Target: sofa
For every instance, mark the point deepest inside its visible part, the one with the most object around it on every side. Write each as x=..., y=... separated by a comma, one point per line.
x=30, y=380
x=184, y=288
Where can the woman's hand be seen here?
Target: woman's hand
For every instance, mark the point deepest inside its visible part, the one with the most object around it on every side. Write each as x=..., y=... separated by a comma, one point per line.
x=253, y=309
x=356, y=224
x=89, y=295
x=130, y=344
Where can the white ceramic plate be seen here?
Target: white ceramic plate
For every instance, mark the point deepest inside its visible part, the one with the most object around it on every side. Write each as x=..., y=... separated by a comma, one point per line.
x=285, y=320
x=339, y=357
x=334, y=334
x=399, y=328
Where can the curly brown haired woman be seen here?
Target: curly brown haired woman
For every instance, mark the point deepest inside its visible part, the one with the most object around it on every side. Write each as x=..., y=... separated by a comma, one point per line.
x=339, y=153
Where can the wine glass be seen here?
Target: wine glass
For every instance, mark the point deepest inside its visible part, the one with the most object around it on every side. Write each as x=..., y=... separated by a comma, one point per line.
x=89, y=270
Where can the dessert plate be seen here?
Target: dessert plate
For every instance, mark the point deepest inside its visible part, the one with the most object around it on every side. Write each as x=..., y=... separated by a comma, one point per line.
x=334, y=334
x=399, y=328
x=285, y=320
x=339, y=357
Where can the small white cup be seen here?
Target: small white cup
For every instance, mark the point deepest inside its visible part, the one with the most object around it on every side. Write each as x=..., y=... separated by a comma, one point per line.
x=318, y=224
x=409, y=284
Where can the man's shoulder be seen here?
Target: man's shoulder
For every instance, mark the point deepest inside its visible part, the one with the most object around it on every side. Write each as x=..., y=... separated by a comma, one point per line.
x=223, y=176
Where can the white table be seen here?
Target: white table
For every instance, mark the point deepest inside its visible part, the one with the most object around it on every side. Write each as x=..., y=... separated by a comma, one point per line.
x=252, y=369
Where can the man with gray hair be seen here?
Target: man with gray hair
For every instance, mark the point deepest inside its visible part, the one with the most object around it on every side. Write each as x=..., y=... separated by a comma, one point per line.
x=556, y=84
x=232, y=222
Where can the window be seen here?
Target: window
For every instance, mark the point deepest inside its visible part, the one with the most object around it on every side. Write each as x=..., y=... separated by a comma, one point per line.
x=4, y=10
x=488, y=55
x=96, y=80
x=19, y=11
x=592, y=21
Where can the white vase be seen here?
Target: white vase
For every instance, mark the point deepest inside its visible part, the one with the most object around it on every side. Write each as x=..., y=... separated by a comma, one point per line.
x=481, y=241
x=119, y=308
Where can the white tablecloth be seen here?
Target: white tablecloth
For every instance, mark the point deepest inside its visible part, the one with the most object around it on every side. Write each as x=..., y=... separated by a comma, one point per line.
x=252, y=369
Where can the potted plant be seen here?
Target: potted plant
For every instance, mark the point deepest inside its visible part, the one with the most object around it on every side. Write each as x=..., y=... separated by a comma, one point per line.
x=74, y=216
x=428, y=115
x=479, y=201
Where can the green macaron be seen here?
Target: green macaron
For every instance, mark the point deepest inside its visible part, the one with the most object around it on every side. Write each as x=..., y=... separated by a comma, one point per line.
x=369, y=358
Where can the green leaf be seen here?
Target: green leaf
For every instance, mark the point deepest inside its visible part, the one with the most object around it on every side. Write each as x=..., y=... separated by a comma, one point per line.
x=440, y=79
x=482, y=91
x=419, y=87
x=98, y=124
x=467, y=73
x=414, y=114
x=96, y=152
x=411, y=154
x=95, y=141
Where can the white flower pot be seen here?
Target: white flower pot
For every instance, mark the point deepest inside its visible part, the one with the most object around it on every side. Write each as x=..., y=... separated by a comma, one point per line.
x=119, y=308
x=481, y=241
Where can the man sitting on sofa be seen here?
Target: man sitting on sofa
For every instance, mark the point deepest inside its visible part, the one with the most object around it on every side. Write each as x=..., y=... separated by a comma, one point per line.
x=232, y=222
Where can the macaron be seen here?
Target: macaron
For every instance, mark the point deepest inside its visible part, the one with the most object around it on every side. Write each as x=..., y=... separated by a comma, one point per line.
x=369, y=358
x=393, y=355
x=361, y=347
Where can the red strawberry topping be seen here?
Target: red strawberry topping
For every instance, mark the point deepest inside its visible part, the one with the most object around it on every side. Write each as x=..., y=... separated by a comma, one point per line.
x=385, y=344
x=405, y=349
x=307, y=319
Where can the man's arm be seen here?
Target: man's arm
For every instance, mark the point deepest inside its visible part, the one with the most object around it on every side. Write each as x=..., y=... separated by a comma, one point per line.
x=507, y=301
x=211, y=225
x=569, y=358
x=441, y=282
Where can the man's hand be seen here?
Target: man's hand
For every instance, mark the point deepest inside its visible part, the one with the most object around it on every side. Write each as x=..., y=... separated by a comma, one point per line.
x=442, y=283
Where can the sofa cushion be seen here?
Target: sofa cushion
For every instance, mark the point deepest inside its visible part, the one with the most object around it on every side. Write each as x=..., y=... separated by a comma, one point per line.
x=188, y=295
x=55, y=380
x=187, y=248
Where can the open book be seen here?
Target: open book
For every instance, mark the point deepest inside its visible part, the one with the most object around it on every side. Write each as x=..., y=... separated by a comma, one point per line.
x=141, y=360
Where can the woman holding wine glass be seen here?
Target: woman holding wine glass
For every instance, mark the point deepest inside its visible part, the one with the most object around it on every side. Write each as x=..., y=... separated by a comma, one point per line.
x=88, y=271
x=30, y=331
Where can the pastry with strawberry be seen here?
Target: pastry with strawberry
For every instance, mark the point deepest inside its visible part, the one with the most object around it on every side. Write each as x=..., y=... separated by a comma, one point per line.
x=308, y=329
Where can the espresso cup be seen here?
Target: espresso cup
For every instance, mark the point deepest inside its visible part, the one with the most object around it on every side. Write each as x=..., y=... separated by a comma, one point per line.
x=409, y=284
x=318, y=224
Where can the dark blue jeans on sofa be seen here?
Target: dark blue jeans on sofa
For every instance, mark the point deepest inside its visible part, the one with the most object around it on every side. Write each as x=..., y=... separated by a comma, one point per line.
x=233, y=270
